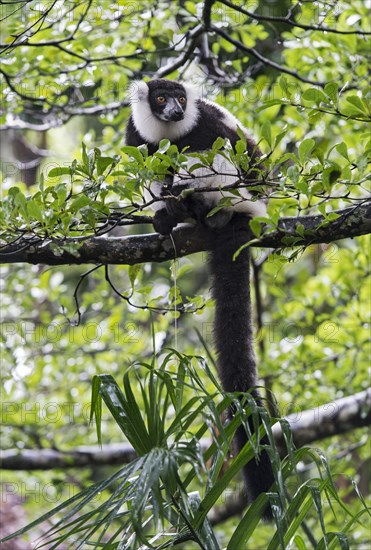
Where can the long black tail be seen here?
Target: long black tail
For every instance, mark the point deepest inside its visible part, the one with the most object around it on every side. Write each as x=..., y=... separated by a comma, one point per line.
x=234, y=336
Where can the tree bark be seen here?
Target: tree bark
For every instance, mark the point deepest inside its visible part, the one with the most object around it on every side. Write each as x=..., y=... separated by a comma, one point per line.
x=134, y=249
x=335, y=418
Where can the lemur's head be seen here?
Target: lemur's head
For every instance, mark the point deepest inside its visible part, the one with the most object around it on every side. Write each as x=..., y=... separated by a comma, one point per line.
x=167, y=99
x=163, y=109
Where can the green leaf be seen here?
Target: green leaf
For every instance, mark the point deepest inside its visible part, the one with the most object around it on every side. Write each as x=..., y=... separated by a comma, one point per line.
x=21, y=201
x=300, y=229
x=357, y=102
x=305, y=149
x=125, y=412
x=133, y=271
x=294, y=516
x=266, y=132
x=289, y=156
x=222, y=203
x=79, y=203
x=314, y=95
x=85, y=159
x=342, y=149
x=59, y=171
x=270, y=103
x=96, y=407
x=241, y=134
x=300, y=544
x=247, y=525
x=330, y=175
x=217, y=490
x=103, y=163
x=293, y=173
x=279, y=137
x=256, y=227
x=133, y=152
x=34, y=210
x=282, y=81
x=240, y=147
x=218, y=144
x=61, y=191
x=332, y=90
x=13, y=191
x=302, y=185
x=334, y=541
x=164, y=146
x=206, y=531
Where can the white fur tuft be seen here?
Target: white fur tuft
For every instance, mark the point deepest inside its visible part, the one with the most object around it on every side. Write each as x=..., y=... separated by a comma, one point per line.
x=138, y=91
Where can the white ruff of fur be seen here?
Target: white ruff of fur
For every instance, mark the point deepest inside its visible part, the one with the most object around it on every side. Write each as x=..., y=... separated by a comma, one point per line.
x=151, y=128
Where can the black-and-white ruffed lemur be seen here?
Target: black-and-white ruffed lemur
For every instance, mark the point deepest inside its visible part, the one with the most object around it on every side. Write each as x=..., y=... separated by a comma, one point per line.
x=165, y=109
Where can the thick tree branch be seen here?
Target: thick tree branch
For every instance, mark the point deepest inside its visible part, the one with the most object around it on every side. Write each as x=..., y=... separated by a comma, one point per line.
x=337, y=417
x=206, y=13
x=80, y=457
x=135, y=249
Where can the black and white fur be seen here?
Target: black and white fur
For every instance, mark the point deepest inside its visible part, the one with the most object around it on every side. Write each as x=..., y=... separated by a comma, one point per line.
x=201, y=124
x=164, y=109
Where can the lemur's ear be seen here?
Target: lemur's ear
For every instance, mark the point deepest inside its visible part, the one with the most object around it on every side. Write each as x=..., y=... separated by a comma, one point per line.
x=138, y=91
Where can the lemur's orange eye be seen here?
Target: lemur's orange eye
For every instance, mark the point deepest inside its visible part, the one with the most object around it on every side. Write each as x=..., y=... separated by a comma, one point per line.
x=161, y=99
x=182, y=100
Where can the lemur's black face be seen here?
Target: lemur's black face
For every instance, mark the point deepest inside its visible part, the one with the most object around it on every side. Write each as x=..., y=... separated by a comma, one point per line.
x=168, y=100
